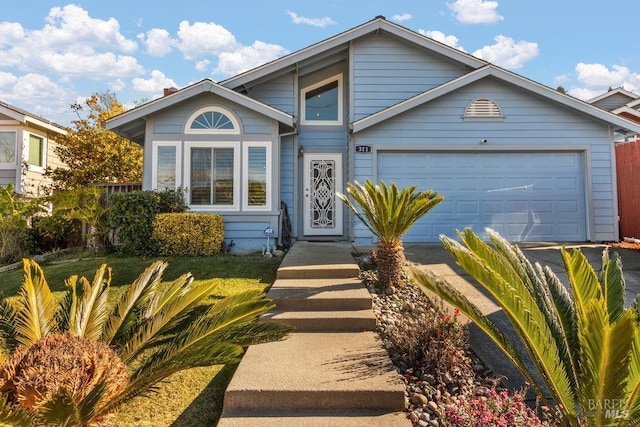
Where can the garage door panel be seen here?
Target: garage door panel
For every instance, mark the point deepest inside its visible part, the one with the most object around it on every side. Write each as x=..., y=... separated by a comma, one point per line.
x=523, y=196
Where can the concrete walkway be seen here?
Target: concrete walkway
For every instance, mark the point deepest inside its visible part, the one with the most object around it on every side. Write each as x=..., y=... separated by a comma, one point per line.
x=333, y=370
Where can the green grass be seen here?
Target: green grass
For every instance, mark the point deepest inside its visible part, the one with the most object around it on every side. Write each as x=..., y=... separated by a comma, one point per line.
x=188, y=398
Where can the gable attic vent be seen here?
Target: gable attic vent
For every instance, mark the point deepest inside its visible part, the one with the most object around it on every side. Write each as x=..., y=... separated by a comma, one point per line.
x=482, y=108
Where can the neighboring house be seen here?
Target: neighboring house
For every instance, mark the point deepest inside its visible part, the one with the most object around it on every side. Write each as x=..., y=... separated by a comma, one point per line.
x=625, y=104
x=382, y=102
x=27, y=145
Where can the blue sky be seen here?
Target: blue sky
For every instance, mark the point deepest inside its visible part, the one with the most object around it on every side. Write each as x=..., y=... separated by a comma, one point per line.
x=54, y=53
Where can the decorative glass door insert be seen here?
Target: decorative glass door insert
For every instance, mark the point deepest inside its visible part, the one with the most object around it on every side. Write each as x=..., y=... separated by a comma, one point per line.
x=322, y=209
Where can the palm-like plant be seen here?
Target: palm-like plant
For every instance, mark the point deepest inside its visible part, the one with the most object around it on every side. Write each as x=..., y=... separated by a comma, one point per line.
x=584, y=343
x=84, y=204
x=155, y=329
x=389, y=213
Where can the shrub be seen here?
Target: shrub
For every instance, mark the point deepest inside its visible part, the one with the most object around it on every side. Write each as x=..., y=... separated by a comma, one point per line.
x=56, y=232
x=188, y=234
x=15, y=237
x=492, y=409
x=34, y=374
x=64, y=362
x=132, y=214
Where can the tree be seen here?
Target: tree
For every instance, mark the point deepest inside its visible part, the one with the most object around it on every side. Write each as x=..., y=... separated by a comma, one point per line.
x=112, y=354
x=92, y=153
x=583, y=342
x=389, y=214
x=561, y=89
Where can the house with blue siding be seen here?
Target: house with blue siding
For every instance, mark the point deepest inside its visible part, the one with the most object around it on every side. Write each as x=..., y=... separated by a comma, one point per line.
x=382, y=102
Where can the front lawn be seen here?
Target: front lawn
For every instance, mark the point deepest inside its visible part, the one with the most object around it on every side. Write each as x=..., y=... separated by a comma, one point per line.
x=189, y=398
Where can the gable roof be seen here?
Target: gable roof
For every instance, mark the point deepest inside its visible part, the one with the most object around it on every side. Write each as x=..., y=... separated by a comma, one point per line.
x=27, y=118
x=131, y=124
x=505, y=76
x=613, y=92
x=341, y=42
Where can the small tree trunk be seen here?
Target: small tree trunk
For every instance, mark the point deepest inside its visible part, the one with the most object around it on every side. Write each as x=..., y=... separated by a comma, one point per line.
x=390, y=264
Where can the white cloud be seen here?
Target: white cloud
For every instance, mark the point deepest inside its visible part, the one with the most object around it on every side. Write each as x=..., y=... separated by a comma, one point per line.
x=401, y=17
x=11, y=33
x=158, y=42
x=203, y=39
x=155, y=84
x=247, y=57
x=105, y=64
x=475, y=11
x=71, y=24
x=315, y=22
x=449, y=40
x=596, y=79
x=70, y=43
x=35, y=93
x=7, y=79
x=508, y=53
x=599, y=76
x=203, y=65
x=584, y=93
x=117, y=85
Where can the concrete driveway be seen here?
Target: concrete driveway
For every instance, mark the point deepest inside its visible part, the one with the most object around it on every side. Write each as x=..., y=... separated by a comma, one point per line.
x=433, y=257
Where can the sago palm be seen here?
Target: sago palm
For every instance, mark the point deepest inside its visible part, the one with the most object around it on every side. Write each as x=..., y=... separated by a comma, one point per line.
x=154, y=330
x=389, y=213
x=583, y=341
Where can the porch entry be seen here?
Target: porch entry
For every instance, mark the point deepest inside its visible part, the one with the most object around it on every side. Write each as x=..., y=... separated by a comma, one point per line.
x=322, y=210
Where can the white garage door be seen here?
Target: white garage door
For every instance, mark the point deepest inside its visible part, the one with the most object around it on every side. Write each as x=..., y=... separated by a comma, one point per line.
x=523, y=196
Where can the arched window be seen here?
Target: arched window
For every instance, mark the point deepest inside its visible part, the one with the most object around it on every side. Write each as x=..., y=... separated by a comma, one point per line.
x=481, y=109
x=213, y=120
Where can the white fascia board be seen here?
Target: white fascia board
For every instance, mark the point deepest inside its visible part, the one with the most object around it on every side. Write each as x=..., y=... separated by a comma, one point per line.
x=344, y=39
x=139, y=113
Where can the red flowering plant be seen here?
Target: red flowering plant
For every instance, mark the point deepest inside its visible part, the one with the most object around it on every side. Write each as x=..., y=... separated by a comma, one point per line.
x=492, y=409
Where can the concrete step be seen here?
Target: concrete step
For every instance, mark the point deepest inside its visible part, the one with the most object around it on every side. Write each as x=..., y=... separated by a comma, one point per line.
x=394, y=419
x=320, y=294
x=319, y=372
x=318, y=260
x=325, y=321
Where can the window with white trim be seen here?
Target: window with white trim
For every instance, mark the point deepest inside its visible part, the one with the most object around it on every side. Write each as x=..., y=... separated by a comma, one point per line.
x=256, y=176
x=213, y=120
x=321, y=103
x=213, y=174
x=167, y=160
x=8, y=148
x=36, y=152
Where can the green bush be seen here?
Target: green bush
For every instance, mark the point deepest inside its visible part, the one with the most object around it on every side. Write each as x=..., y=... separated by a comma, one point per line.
x=132, y=214
x=188, y=234
x=56, y=232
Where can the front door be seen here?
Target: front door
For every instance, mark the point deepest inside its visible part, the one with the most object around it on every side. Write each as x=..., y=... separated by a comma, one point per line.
x=322, y=209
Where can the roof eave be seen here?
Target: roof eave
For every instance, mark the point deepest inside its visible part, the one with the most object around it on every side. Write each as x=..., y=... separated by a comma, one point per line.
x=504, y=75
x=343, y=39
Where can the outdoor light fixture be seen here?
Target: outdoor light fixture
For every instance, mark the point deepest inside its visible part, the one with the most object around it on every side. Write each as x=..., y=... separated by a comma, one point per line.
x=484, y=141
x=300, y=151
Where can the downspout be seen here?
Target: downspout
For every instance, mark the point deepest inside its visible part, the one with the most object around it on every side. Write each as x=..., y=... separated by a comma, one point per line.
x=614, y=172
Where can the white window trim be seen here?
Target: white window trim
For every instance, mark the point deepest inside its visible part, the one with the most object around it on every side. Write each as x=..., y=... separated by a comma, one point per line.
x=303, y=103
x=236, y=174
x=154, y=162
x=245, y=176
x=236, y=123
x=45, y=146
x=15, y=150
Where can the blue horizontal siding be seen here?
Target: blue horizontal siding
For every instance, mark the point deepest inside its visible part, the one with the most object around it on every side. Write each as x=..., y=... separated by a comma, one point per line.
x=387, y=70
x=529, y=122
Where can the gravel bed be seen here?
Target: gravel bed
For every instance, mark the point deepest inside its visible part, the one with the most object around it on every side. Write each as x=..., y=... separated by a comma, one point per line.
x=427, y=392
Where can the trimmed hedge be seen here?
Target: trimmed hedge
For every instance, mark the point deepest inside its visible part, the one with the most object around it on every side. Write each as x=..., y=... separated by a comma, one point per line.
x=132, y=214
x=188, y=234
